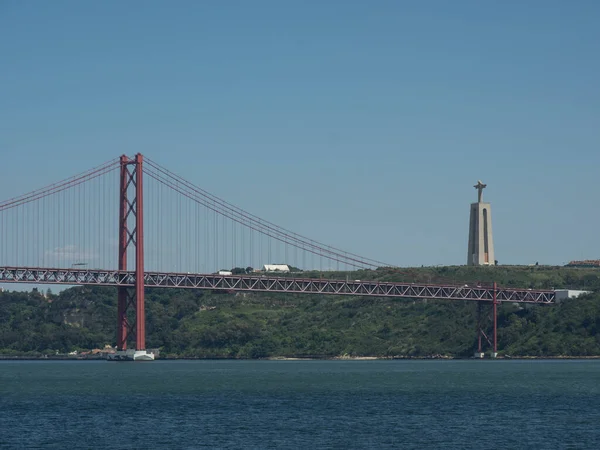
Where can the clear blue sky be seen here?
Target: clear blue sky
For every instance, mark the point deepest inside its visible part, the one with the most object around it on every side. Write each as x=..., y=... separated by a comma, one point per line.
x=370, y=120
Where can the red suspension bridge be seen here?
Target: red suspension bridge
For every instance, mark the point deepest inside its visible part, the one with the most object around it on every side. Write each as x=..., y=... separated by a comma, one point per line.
x=131, y=223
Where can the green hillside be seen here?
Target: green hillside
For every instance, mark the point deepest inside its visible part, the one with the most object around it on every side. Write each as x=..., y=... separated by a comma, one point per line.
x=194, y=323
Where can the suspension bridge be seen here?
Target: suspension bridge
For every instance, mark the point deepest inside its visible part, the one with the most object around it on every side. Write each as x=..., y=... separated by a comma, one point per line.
x=131, y=223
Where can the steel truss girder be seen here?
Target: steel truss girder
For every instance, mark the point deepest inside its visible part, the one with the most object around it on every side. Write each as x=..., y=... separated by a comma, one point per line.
x=255, y=283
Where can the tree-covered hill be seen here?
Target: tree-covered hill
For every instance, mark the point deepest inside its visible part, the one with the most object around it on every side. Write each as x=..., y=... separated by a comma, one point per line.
x=195, y=323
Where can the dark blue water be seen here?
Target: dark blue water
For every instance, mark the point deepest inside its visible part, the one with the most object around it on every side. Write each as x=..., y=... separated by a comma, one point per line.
x=300, y=404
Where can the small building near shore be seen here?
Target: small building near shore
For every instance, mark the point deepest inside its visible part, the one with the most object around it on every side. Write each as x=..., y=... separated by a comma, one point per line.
x=563, y=294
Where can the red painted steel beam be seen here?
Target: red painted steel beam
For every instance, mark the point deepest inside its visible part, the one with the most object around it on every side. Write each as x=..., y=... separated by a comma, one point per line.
x=139, y=255
x=479, y=329
x=123, y=236
x=495, y=318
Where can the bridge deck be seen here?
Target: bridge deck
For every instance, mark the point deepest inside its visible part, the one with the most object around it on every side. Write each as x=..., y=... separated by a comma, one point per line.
x=254, y=283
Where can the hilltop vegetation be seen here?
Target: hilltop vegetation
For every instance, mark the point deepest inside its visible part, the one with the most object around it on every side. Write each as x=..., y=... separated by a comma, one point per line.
x=194, y=323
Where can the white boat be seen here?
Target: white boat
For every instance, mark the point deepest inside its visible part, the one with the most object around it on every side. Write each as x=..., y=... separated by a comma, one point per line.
x=131, y=355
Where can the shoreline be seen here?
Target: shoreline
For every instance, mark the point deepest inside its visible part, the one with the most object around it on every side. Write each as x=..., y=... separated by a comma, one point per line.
x=308, y=358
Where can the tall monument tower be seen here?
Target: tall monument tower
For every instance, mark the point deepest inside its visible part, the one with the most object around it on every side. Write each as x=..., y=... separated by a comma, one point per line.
x=481, y=244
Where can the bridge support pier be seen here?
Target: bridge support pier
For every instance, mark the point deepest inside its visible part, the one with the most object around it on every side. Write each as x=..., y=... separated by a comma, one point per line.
x=495, y=321
x=131, y=320
x=483, y=323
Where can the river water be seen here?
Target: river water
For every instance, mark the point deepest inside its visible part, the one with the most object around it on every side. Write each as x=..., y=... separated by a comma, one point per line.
x=300, y=404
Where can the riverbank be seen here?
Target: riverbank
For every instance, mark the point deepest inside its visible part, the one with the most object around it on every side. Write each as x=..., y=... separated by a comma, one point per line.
x=284, y=358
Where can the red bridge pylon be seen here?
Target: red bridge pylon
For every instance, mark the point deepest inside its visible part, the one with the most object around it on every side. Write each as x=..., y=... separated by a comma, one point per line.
x=131, y=320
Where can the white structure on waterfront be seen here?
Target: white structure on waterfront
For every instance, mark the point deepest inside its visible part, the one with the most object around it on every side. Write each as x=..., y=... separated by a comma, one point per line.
x=481, y=242
x=131, y=355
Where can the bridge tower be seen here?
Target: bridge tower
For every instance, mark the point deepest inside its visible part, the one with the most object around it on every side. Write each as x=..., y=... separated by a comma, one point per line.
x=481, y=243
x=131, y=316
